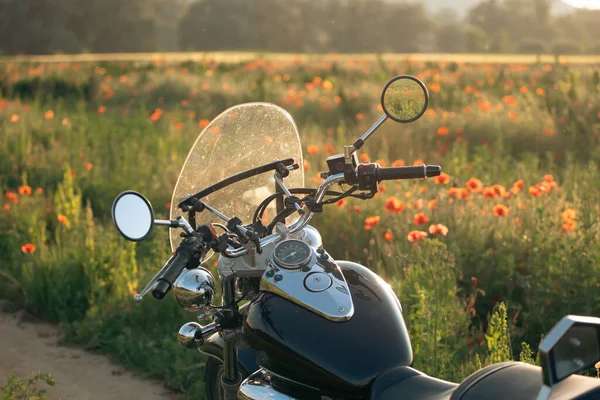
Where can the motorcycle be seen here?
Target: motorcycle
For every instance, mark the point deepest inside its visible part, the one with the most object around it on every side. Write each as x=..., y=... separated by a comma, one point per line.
x=310, y=327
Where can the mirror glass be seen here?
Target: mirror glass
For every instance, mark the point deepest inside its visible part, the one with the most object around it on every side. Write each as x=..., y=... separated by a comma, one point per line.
x=579, y=348
x=404, y=98
x=133, y=216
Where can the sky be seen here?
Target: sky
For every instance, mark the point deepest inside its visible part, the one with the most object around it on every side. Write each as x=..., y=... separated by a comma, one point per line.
x=584, y=3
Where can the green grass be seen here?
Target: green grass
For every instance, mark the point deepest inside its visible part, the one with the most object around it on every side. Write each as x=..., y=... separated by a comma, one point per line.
x=83, y=132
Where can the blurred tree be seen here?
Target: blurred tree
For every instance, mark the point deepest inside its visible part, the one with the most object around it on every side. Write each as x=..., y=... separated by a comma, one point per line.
x=72, y=26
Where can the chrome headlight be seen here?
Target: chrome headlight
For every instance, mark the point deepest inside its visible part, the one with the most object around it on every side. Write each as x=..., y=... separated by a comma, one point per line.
x=194, y=289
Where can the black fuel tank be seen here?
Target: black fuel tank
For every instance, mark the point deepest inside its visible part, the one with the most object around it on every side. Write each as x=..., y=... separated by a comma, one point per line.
x=337, y=357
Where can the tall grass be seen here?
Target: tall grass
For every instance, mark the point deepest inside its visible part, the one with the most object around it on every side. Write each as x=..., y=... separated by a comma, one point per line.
x=514, y=221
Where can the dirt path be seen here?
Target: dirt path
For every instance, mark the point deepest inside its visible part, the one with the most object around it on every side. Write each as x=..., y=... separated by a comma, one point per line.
x=27, y=346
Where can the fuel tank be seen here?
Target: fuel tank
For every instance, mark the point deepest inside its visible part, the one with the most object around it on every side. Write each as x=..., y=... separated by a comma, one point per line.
x=336, y=357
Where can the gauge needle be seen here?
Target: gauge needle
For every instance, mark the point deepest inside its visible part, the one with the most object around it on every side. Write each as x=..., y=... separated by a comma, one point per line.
x=293, y=253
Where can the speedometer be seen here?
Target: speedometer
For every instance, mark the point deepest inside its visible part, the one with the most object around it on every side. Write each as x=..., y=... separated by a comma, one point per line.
x=292, y=253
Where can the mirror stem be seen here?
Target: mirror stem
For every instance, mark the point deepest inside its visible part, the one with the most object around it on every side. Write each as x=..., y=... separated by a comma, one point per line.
x=359, y=142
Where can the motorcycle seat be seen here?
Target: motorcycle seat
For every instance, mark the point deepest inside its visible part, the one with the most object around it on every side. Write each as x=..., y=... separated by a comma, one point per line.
x=502, y=381
x=408, y=383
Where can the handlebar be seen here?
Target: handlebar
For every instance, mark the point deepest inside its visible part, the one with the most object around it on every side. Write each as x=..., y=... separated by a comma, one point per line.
x=188, y=255
x=414, y=172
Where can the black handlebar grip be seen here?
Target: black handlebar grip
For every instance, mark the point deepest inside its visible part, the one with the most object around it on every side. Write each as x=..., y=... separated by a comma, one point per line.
x=414, y=172
x=188, y=255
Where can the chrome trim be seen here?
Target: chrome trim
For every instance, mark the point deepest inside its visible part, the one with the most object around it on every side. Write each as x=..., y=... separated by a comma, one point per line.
x=373, y=128
x=333, y=303
x=194, y=289
x=287, y=192
x=298, y=225
x=321, y=191
x=258, y=387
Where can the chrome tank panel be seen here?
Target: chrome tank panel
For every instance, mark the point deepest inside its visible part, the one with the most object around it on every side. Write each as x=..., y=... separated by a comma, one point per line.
x=341, y=358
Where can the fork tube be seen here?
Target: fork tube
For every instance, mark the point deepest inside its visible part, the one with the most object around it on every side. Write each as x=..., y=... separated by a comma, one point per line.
x=231, y=378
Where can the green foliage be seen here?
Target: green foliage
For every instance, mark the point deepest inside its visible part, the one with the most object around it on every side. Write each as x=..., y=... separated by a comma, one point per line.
x=497, y=337
x=25, y=389
x=527, y=355
x=80, y=153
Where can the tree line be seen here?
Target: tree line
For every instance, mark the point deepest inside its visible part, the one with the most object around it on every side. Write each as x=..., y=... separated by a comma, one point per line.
x=344, y=26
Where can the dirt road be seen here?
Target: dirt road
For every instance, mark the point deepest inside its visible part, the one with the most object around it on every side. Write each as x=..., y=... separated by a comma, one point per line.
x=27, y=346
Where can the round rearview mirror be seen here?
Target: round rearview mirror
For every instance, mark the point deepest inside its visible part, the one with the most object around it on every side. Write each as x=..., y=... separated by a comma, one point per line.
x=133, y=216
x=404, y=98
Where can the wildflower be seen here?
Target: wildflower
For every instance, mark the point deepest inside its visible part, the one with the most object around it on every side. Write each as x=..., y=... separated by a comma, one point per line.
x=500, y=210
x=49, y=114
x=420, y=219
x=382, y=188
x=62, y=219
x=518, y=221
x=388, y=235
x=534, y=191
x=568, y=226
x=499, y=190
x=418, y=162
x=6, y=207
x=432, y=204
x=101, y=109
x=398, y=163
x=443, y=130
x=156, y=114
x=464, y=194
x=438, y=229
x=203, y=123
x=329, y=149
x=306, y=165
x=25, y=190
x=540, y=92
x=442, y=179
x=568, y=215
x=517, y=187
x=548, y=178
x=28, y=248
x=416, y=236
x=474, y=281
x=39, y=190
x=12, y=197
x=364, y=157
x=524, y=89
x=357, y=209
x=89, y=166
x=15, y=118
x=394, y=205
x=360, y=116
x=72, y=174
x=489, y=193
x=312, y=149
x=179, y=126
x=548, y=132
x=474, y=185
x=454, y=192
x=341, y=203
x=512, y=115
x=370, y=222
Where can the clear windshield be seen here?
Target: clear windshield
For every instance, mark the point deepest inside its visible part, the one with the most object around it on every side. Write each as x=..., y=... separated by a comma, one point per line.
x=242, y=137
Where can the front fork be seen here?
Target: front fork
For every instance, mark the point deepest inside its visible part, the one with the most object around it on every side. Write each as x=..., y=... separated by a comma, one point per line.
x=231, y=378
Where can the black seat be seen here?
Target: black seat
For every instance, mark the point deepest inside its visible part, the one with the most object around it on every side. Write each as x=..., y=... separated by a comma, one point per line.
x=502, y=381
x=408, y=383
x=516, y=380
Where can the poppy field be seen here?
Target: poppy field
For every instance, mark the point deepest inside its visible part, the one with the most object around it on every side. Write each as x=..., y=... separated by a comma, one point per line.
x=485, y=258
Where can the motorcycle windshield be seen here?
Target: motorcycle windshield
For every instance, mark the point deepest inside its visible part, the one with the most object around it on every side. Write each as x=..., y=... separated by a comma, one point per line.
x=241, y=138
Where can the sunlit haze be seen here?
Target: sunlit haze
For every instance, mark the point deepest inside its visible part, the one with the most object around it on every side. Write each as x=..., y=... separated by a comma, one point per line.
x=595, y=4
